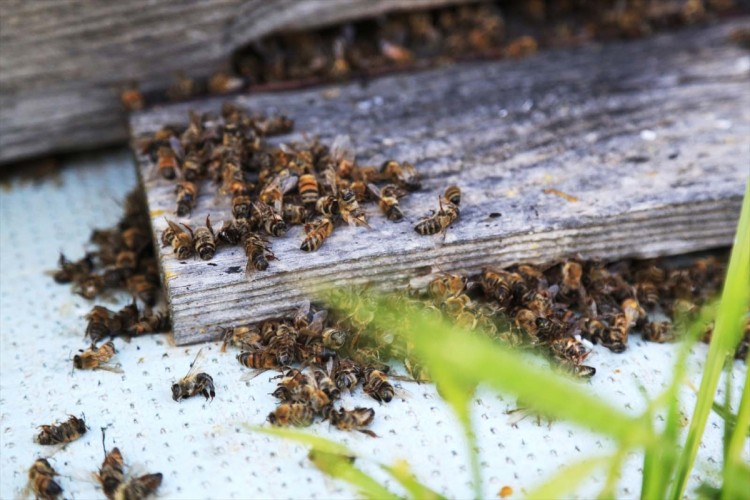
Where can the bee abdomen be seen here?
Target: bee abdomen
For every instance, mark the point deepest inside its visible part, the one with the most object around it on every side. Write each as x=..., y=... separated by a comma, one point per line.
x=427, y=227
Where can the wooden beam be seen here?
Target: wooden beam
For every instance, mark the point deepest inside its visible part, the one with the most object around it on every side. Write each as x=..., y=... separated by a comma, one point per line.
x=649, y=138
x=63, y=64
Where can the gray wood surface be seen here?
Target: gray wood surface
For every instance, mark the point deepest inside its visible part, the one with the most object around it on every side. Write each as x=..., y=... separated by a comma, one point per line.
x=64, y=63
x=651, y=137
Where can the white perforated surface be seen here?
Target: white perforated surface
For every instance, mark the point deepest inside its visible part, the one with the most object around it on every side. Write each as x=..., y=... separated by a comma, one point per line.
x=201, y=448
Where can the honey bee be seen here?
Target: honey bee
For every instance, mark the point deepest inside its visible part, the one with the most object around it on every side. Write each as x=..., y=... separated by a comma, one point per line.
x=193, y=164
x=328, y=206
x=144, y=289
x=346, y=374
x=223, y=82
x=525, y=320
x=259, y=359
x=615, y=337
x=658, y=331
x=131, y=98
x=521, y=47
x=205, y=241
x=92, y=359
x=633, y=312
x=274, y=191
x=73, y=271
x=186, y=193
x=439, y=222
x=387, y=200
x=182, y=242
x=350, y=210
x=98, y=323
x=404, y=174
x=570, y=284
x=275, y=125
x=193, y=383
x=258, y=252
x=376, y=385
x=241, y=203
x=416, y=370
x=452, y=195
x=42, y=482
x=446, y=285
x=246, y=337
x=333, y=338
x=647, y=293
x=326, y=384
x=90, y=286
x=167, y=164
x=290, y=387
x=112, y=473
x=152, y=323
x=308, y=189
x=284, y=345
x=294, y=214
x=353, y=420
x=294, y=414
x=456, y=305
x=139, y=487
x=496, y=285
x=271, y=221
x=183, y=87
x=66, y=432
x=316, y=232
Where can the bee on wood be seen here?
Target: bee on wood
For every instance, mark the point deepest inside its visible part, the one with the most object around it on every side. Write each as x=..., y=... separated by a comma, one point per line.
x=376, y=386
x=258, y=252
x=94, y=358
x=186, y=193
x=404, y=174
x=328, y=206
x=353, y=420
x=234, y=231
x=274, y=190
x=243, y=336
x=316, y=232
x=193, y=383
x=658, y=331
x=139, y=487
x=271, y=221
x=439, y=222
x=193, y=164
x=292, y=414
x=181, y=241
x=42, y=480
x=308, y=189
x=350, y=210
x=182, y=88
x=66, y=432
x=284, y=345
x=387, y=201
x=347, y=374
x=167, y=164
x=241, y=203
x=294, y=214
x=112, y=473
x=259, y=359
x=151, y=323
x=570, y=284
x=205, y=241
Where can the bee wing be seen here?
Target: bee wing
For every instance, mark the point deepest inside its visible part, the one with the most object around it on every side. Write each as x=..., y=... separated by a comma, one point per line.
x=374, y=190
x=176, y=146
x=248, y=376
x=195, y=365
x=329, y=180
x=110, y=367
x=342, y=148
x=287, y=183
x=175, y=228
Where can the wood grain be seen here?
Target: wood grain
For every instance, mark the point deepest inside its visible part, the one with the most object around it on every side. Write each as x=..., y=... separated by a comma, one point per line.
x=64, y=63
x=650, y=137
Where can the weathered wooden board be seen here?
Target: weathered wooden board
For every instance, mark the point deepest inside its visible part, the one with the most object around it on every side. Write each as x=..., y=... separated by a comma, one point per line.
x=64, y=63
x=652, y=138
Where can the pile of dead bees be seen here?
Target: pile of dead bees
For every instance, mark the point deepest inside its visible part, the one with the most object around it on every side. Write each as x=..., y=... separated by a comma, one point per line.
x=273, y=187
x=123, y=261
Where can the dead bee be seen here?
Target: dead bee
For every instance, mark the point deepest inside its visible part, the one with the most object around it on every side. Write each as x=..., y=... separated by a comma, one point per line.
x=243, y=336
x=658, y=331
x=42, y=482
x=112, y=473
x=353, y=420
x=444, y=286
x=152, y=323
x=259, y=359
x=439, y=222
x=182, y=88
x=194, y=382
x=275, y=125
x=308, y=189
x=290, y=387
x=327, y=385
x=271, y=221
x=633, y=312
x=66, y=432
x=205, y=241
x=273, y=191
x=241, y=204
x=350, y=210
x=182, y=242
x=98, y=323
x=193, y=165
x=376, y=386
x=131, y=98
x=294, y=214
x=143, y=288
x=139, y=487
x=452, y=195
x=92, y=359
x=284, y=345
x=186, y=194
x=328, y=206
x=223, y=82
x=333, y=338
x=496, y=284
x=167, y=164
x=388, y=201
x=316, y=233
x=90, y=286
x=294, y=414
x=73, y=271
x=346, y=373
x=258, y=252
x=404, y=174
x=570, y=284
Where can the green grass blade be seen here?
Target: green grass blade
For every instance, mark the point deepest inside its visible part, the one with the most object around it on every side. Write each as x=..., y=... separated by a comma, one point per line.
x=401, y=472
x=727, y=332
x=567, y=479
x=333, y=459
x=733, y=465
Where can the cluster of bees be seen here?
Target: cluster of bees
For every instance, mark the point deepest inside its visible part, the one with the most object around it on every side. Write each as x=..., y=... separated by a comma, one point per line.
x=115, y=483
x=272, y=188
x=123, y=261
